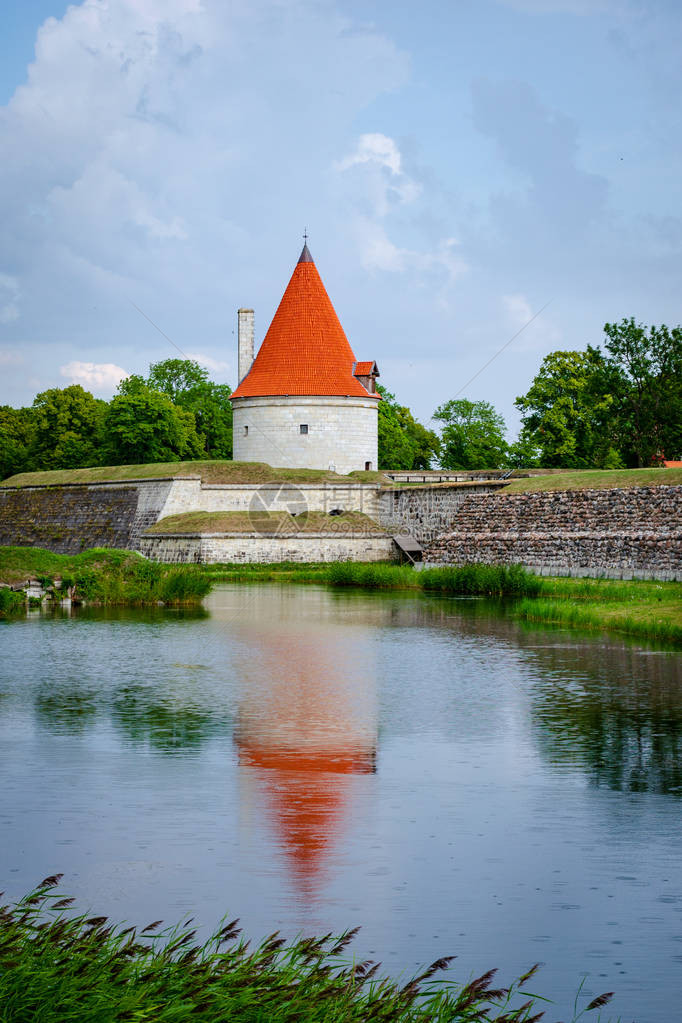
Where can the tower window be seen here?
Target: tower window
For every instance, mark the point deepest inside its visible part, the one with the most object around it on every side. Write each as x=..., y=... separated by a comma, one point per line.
x=246, y=431
x=303, y=428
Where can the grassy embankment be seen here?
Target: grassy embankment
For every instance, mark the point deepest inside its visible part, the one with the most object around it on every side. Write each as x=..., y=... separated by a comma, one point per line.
x=595, y=479
x=58, y=968
x=260, y=522
x=99, y=577
x=218, y=471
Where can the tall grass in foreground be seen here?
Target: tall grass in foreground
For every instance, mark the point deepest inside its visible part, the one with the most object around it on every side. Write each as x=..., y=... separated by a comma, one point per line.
x=466, y=580
x=56, y=968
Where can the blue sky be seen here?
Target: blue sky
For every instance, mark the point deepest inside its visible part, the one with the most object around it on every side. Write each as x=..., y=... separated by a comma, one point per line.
x=458, y=166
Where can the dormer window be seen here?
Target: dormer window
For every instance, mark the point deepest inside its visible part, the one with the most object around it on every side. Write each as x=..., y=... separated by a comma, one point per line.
x=367, y=373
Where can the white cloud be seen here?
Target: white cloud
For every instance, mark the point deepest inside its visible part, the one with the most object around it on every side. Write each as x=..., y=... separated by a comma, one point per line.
x=10, y=358
x=383, y=179
x=215, y=365
x=94, y=376
x=156, y=157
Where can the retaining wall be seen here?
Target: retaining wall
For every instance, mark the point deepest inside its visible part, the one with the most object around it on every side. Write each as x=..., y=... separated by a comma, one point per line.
x=70, y=519
x=634, y=532
x=425, y=512
x=266, y=548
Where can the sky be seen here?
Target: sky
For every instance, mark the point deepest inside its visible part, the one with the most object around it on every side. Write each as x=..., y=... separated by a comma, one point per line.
x=462, y=167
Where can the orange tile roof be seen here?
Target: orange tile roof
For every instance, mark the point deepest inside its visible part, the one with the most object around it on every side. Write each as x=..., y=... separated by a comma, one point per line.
x=364, y=369
x=305, y=350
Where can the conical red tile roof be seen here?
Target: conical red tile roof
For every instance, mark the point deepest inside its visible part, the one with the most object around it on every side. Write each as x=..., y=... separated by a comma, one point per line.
x=305, y=350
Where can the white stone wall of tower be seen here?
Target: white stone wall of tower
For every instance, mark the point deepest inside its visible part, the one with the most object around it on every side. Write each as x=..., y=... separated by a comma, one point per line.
x=341, y=432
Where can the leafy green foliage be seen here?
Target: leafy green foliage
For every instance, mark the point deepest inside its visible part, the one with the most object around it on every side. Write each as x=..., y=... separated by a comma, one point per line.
x=646, y=363
x=16, y=435
x=103, y=576
x=404, y=443
x=608, y=409
x=473, y=435
x=142, y=425
x=187, y=385
x=568, y=410
x=66, y=428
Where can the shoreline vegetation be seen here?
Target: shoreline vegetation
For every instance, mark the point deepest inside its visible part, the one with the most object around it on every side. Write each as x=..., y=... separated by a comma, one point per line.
x=102, y=577
x=639, y=608
x=58, y=967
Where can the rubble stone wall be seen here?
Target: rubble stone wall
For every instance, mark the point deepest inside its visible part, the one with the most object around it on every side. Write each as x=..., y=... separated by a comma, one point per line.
x=628, y=533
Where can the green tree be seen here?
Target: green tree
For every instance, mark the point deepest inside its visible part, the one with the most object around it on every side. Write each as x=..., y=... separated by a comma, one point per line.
x=16, y=435
x=473, y=435
x=67, y=423
x=646, y=363
x=142, y=425
x=568, y=411
x=187, y=384
x=404, y=443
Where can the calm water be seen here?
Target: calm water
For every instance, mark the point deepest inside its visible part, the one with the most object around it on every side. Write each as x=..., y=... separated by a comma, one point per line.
x=311, y=760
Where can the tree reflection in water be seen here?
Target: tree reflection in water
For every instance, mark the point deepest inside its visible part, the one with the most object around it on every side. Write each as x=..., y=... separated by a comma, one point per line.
x=616, y=711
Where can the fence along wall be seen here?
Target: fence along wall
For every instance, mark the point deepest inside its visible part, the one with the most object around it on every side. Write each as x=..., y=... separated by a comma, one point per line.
x=628, y=533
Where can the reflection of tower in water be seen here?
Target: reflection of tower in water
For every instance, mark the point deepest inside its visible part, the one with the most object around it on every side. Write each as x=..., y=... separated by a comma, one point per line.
x=306, y=730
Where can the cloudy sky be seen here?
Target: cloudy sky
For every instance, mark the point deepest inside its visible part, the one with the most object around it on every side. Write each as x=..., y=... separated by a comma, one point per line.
x=460, y=165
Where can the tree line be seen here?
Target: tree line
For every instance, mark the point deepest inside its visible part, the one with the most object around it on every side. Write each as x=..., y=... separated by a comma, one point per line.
x=615, y=406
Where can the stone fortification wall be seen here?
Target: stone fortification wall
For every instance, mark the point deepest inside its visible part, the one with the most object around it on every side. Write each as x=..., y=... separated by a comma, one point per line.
x=425, y=512
x=70, y=519
x=265, y=549
x=341, y=432
x=634, y=532
x=192, y=495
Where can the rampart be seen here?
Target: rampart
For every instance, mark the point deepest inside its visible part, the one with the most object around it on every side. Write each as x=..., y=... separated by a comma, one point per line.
x=424, y=512
x=247, y=548
x=628, y=533
x=72, y=518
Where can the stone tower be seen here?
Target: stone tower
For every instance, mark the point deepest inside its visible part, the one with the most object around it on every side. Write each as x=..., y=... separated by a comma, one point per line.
x=305, y=401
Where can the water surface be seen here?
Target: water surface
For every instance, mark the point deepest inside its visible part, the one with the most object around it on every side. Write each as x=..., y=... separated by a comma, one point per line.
x=310, y=760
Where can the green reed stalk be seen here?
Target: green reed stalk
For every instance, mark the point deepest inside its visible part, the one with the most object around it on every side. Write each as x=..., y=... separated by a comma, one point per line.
x=62, y=968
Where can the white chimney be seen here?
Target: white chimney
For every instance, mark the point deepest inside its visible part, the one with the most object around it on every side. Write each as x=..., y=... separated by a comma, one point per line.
x=245, y=341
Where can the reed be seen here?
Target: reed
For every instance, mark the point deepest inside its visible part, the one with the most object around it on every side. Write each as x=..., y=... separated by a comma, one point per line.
x=464, y=580
x=56, y=967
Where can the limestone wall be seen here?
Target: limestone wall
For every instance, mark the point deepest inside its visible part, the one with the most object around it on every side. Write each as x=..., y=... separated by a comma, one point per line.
x=342, y=432
x=192, y=495
x=266, y=549
x=634, y=532
x=425, y=512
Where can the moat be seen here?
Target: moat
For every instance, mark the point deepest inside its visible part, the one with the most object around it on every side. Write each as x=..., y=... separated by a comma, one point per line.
x=309, y=760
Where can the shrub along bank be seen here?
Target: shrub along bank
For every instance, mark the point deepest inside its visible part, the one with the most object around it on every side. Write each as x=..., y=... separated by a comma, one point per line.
x=98, y=576
x=57, y=968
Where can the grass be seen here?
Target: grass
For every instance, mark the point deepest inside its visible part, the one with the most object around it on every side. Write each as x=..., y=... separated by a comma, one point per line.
x=268, y=522
x=596, y=479
x=106, y=577
x=636, y=607
x=464, y=580
x=62, y=968
x=217, y=471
